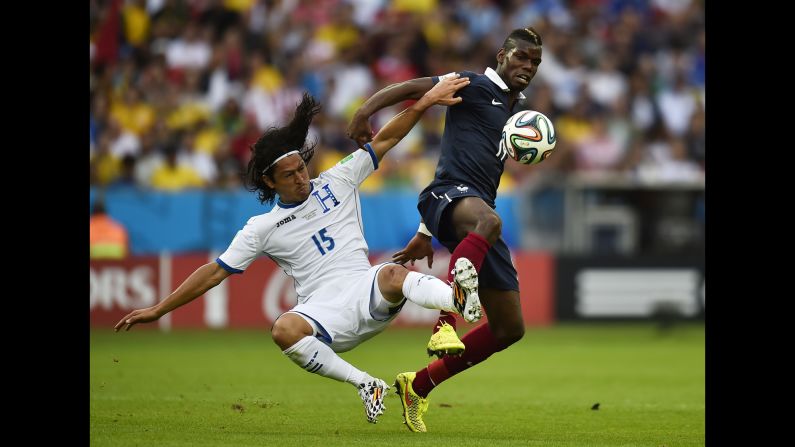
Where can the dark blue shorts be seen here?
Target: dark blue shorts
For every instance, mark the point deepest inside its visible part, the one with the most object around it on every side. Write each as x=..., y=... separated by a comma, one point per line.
x=497, y=271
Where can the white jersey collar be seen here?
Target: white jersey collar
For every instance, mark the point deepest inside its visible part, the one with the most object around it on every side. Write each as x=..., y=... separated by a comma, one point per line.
x=495, y=78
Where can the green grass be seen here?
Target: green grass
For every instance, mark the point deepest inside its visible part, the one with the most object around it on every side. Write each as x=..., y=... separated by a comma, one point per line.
x=199, y=388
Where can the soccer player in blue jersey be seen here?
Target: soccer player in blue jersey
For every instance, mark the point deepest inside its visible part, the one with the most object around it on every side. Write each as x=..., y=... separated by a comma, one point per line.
x=314, y=233
x=458, y=209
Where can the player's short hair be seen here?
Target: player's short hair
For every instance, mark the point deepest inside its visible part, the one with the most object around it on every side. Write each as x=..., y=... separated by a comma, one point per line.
x=528, y=34
x=276, y=142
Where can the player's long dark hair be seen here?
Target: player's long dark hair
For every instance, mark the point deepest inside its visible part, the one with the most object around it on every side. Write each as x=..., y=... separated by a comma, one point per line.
x=276, y=142
x=528, y=34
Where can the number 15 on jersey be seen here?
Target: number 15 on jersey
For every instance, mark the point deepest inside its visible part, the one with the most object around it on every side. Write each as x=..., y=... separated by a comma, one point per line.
x=322, y=241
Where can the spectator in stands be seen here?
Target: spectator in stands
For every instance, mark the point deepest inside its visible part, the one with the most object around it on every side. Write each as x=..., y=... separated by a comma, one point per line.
x=177, y=63
x=107, y=238
x=126, y=178
x=175, y=176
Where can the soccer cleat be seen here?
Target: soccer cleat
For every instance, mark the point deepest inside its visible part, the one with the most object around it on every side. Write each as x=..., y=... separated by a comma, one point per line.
x=465, y=290
x=413, y=405
x=445, y=342
x=372, y=393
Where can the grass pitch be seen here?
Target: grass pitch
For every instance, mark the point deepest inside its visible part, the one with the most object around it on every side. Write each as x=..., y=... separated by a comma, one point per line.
x=203, y=388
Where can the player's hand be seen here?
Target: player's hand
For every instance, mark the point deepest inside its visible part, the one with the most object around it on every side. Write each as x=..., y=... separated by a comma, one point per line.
x=359, y=130
x=442, y=93
x=418, y=247
x=137, y=316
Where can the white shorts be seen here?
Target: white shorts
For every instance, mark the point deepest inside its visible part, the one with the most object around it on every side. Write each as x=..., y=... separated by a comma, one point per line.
x=346, y=313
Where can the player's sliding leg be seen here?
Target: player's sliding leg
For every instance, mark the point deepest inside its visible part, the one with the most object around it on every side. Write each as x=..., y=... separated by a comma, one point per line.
x=316, y=357
x=460, y=296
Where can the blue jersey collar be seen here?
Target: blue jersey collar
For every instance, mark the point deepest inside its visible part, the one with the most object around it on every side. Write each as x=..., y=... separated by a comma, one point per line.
x=293, y=205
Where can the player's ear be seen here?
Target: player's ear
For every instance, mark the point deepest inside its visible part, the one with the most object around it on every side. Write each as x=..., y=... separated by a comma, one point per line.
x=501, y=55
x=268, y=181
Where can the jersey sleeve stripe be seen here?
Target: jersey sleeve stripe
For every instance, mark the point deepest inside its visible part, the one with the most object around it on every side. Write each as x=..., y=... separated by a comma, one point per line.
x=372, y=155
x=226, y=267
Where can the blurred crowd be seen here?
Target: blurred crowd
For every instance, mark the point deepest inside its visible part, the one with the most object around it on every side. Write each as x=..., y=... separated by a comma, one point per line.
x=180, y=89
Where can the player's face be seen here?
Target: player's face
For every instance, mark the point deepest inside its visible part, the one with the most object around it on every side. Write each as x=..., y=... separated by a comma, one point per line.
x=518, y=66
x=290, y=179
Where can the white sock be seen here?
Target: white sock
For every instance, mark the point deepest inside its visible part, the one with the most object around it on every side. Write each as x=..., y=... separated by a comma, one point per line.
x=428, y=291
x=316, y=357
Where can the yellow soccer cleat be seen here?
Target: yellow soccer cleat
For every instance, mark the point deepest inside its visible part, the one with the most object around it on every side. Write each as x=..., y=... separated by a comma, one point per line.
x=445, y=342
x=414, y=406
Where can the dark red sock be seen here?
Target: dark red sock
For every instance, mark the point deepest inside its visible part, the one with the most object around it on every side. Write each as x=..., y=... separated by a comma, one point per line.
x=480, y=345
x=474, y=247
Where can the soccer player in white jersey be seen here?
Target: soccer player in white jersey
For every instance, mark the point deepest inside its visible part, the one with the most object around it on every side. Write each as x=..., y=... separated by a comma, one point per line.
x=315, y=234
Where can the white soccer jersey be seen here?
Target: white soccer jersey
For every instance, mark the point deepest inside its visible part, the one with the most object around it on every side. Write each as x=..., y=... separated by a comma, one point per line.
x=316, y=241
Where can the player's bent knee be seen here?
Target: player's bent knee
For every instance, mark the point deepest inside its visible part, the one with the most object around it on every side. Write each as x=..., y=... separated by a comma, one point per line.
x=390, y=280
x=288, y=330
x=280, y=334
x=490, y=226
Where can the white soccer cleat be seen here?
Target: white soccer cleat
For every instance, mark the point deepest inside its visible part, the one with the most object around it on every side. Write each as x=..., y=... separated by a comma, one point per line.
x=372, y=393
x=465, y=290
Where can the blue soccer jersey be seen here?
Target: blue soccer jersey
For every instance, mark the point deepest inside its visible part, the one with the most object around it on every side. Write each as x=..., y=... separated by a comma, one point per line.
x=470, y=144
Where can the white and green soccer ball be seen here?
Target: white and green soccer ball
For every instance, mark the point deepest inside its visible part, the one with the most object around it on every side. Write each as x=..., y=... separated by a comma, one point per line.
x=528, y=137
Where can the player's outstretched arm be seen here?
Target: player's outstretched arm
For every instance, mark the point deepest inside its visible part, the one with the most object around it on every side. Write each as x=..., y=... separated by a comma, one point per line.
x=203, y=279
x=397, y=128
x=359, y=129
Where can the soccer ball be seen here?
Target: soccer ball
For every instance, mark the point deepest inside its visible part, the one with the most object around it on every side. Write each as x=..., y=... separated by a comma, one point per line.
x=528, y=137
